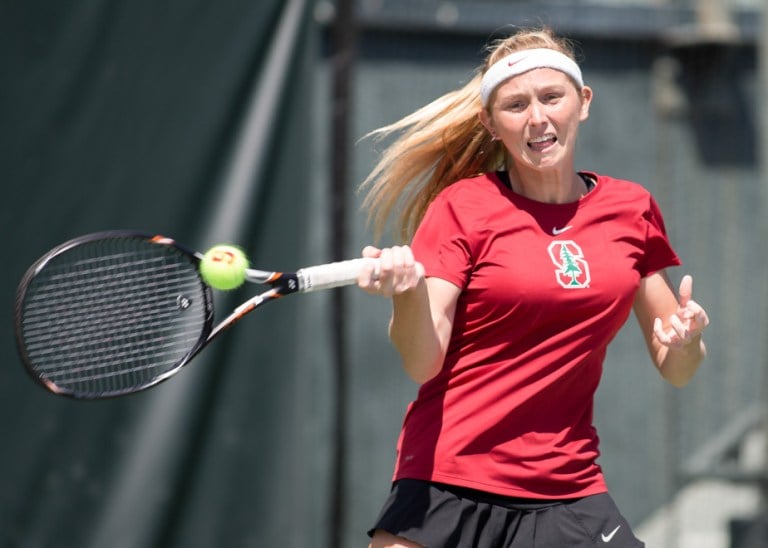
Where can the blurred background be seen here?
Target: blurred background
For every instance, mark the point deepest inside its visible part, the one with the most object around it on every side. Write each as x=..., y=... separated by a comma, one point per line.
x=241, y=121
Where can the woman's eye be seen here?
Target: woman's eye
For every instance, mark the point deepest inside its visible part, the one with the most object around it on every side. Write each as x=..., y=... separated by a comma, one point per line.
x=515, y=106
x=552, y=97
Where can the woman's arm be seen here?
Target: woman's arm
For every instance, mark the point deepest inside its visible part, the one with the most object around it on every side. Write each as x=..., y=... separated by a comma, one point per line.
x=672, y=328
x=421, y=325
x=422, y=309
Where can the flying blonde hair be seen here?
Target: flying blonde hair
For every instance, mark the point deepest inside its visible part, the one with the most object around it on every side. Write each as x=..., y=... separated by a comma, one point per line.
x=439, y=144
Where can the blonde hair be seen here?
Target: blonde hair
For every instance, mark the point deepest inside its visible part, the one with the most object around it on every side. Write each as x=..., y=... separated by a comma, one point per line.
x=440, y=144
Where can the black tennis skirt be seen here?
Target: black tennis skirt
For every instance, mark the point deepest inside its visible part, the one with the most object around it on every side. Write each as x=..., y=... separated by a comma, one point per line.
x=442, y=516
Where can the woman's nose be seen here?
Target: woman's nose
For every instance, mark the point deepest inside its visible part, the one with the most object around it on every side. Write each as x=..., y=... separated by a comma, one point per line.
x=537, y=113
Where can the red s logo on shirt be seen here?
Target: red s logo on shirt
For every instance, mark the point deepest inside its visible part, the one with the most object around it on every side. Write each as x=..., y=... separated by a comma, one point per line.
x=572, y=270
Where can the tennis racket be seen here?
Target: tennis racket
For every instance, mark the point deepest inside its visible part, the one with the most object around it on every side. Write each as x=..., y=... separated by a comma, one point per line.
x=113, y=313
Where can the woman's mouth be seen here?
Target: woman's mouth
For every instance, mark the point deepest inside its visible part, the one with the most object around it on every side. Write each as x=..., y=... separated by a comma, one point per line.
x=540, y=143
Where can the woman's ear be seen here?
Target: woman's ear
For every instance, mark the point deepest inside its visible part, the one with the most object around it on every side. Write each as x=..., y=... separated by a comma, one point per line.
x=586, y=100
x=487, y=121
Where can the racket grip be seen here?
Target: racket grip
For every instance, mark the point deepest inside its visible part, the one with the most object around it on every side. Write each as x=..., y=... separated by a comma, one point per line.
x=326, y=276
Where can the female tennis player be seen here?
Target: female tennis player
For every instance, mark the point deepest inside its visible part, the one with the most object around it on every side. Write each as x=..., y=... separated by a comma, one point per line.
x=530, y=268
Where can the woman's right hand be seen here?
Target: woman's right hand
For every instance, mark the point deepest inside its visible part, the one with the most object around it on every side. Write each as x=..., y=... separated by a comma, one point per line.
x=398, y=271
x=422, y=308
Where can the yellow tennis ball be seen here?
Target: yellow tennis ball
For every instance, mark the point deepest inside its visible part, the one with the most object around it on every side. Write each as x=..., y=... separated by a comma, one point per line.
x=223, y=267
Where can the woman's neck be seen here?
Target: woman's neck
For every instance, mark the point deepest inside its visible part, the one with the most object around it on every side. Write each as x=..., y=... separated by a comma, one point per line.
x=553, y=187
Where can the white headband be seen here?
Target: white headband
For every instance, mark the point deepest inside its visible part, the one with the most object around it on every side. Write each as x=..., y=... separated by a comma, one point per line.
x=523, y=61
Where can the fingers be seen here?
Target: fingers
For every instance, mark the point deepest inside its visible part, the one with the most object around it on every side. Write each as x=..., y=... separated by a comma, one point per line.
x=697, y=315
x=686, y=289
x=371, y=271
x=688, y=323
x=661, y=335
x=690, y=311
x=371, y=252
x=676, y=336
x=398, y=271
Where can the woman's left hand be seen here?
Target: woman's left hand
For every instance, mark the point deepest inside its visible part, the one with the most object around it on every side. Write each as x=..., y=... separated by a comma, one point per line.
x=687, y=323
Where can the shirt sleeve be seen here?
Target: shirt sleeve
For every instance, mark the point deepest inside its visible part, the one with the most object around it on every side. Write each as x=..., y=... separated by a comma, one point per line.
x=441, y=243
x=658, y=251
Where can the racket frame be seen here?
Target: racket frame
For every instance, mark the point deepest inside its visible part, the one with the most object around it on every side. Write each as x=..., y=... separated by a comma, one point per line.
x=39, y=265
x=279, y=284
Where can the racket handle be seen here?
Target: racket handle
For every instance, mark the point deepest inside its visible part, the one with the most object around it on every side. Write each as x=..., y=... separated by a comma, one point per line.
x=326, y=276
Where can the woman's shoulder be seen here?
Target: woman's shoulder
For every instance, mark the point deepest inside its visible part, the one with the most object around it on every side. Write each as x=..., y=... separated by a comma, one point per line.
x=614, y=190
x=617, y=185
x=468, y=201
x=473, y=188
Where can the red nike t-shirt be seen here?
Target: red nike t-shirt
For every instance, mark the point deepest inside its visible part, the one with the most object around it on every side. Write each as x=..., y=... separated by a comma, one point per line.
x=545, y=288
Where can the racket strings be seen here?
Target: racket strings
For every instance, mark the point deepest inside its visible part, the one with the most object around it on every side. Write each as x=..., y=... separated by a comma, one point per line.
x=111, y=316
x=54, y=312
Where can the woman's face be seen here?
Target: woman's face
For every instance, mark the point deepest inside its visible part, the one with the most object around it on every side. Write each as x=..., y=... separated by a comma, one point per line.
x=537, y=115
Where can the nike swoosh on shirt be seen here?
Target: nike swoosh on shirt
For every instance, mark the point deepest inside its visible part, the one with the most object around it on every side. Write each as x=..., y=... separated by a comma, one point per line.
x=609, y=537
x=557, y=231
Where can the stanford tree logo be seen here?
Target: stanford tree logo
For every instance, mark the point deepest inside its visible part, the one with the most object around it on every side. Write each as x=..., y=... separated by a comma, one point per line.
x=572, y=270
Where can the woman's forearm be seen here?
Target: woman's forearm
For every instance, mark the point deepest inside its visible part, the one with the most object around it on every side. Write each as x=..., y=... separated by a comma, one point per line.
x=420, y=327
x=679, y=364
